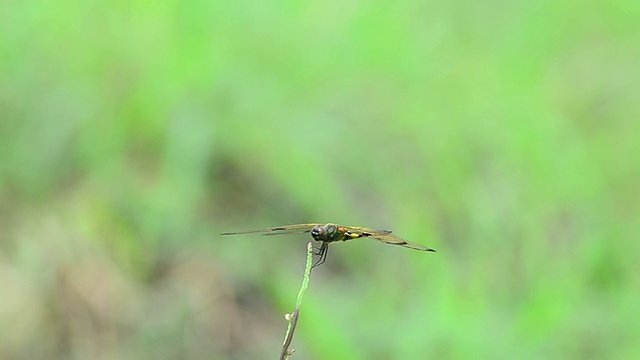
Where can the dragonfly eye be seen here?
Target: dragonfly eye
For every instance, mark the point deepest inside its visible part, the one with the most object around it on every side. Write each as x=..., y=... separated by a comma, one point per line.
x=319, y=233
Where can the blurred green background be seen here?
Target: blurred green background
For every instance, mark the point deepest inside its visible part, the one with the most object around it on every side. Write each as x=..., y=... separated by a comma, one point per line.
x=503, y=134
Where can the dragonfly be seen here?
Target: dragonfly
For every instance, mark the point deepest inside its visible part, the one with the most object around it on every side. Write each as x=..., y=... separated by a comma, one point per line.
x=329, y=233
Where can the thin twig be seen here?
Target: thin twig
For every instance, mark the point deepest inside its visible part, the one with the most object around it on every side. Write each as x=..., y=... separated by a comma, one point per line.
x=293, y=317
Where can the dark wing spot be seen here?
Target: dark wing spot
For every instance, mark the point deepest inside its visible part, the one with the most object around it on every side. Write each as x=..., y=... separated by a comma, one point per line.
x=277, y=229
x=399, y=243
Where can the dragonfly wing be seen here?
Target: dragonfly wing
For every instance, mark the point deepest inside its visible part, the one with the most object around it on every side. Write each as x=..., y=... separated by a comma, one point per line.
x=279, y=230
x=391, y=239
x=383, y=235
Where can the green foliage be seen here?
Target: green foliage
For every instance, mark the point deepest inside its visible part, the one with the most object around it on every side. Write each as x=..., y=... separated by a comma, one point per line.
x=504, y=135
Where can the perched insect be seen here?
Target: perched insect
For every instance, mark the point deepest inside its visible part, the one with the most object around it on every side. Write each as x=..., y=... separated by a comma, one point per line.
x=331, y=233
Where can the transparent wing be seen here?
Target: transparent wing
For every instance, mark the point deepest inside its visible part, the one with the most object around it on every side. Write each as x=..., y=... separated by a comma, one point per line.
x=385, y=236
x=279, y=230
x=395, y=240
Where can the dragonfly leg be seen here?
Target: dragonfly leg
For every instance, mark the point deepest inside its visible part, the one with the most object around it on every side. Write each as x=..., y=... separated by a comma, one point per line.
x=322, y=253
x=316, y=250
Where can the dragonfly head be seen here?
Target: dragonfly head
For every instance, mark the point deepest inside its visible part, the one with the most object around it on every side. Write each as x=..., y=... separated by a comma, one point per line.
x=319, y=233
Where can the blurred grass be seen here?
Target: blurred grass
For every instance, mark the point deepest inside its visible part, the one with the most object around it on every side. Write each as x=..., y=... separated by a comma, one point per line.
x=503, y=135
